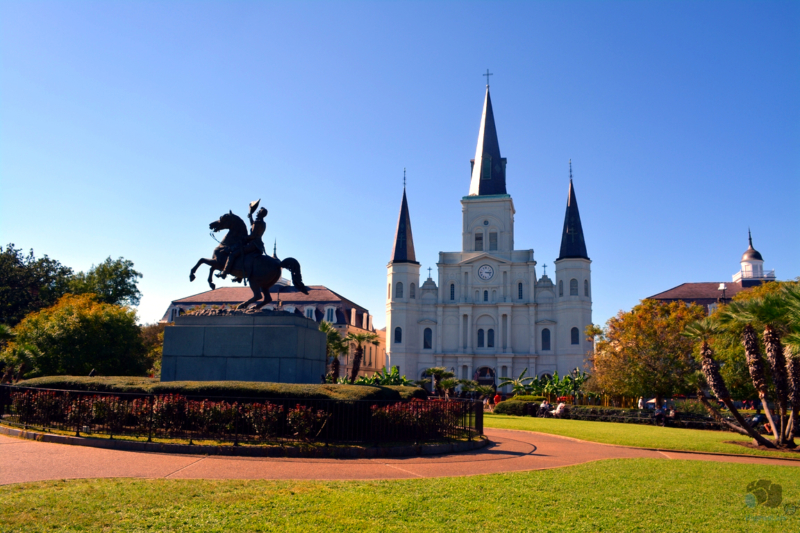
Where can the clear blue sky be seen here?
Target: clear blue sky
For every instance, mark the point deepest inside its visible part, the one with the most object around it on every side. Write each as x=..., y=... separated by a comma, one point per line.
x=126, y=127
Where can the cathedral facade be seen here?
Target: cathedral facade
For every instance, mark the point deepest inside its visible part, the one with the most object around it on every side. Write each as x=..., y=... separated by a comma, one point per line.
x=488, y=315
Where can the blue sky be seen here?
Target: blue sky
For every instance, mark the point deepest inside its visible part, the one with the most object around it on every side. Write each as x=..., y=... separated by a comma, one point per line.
x=126, y=127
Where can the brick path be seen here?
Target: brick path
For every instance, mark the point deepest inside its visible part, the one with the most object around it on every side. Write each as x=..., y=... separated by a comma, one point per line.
x=510, y=451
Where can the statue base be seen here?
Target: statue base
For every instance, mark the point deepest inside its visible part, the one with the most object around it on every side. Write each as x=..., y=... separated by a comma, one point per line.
x=270, y=346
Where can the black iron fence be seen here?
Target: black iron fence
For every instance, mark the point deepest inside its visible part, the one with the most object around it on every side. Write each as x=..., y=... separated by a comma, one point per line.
x=241, y=420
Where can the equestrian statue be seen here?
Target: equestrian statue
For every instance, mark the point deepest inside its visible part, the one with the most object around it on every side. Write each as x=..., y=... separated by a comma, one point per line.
x=244, y=257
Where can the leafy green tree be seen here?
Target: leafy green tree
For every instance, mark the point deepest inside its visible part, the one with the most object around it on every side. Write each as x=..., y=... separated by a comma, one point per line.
x=643, y=353
x=28, y=284
x=153, y=341
x=519, y=385
x=76, y=335
x=334, y=347
x=359, y=340
x=438, y=374
x=114, y=281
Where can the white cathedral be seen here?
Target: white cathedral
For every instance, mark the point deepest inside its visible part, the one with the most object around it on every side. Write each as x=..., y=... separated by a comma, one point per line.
x=489, y=315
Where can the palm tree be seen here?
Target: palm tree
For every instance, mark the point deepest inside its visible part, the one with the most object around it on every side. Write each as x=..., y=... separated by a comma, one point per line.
x=449, y=385
x=438, y=373
x=334, y=347
x=702, y=330
x=359, y=340
x=769, y=312
x=791, y=350
x=519, y=385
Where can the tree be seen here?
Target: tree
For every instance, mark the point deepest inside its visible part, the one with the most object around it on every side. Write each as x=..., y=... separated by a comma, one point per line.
x=76, y=335
x=334, y=347
x=28, y=284
x=642, y=352
x=153, y=341
x=438, y=374
x=114, y=281
x=359, y=340
x=519, y=385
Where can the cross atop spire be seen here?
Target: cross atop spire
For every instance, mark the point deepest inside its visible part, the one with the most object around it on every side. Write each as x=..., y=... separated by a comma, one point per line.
x=487, y=77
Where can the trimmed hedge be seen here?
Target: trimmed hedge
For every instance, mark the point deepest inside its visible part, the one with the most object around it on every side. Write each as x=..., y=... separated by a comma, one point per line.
x=516, y=408
x=528, y=398
x=227, y=389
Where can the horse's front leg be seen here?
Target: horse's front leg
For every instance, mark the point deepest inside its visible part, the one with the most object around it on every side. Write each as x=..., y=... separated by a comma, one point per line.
x=208, y=262
x=210, y=277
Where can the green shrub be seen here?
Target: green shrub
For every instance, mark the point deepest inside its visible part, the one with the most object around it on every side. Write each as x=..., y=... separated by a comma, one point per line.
x=228, y=389
x=528, y=398
x=516, y=408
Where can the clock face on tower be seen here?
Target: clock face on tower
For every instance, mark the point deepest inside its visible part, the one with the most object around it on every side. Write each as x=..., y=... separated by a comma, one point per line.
x=485, y=272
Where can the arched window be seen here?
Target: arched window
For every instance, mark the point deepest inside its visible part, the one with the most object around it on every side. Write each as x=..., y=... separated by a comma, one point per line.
x=490, y=338
x=545, y=339
x=452, y=291
x=575, y=336
x=573, y=287
x=427, y=339
x=412, y=291
x=330, y=315
x=479, y=241
x=561, y=288
x=519, y=290
x=398, y=335
x=485, y=296
x=398, y=290
x=480, y=338
x=586, y=287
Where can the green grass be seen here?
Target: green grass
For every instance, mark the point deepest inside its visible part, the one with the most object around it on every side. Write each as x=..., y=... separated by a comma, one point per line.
x=645, y=436
x=618, y=496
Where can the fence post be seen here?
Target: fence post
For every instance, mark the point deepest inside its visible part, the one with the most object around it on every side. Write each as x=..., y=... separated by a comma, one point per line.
x=78, y=417
x=236, y=425
x=150, y=419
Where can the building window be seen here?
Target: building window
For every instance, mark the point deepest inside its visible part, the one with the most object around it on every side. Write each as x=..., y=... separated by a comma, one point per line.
x=490, y=338
x=561, y=288
x=519, y=290
x=480, y=338
x=398, y=290
x=452, y=291
x=573, y=287
x=485, y=296
x=427, y=339
x=310, y=313
x=412, y=291
x=479, y=242
x=586, y=287
x=493, y=240
x=398, y=335
x=575, y=336
x=175, y=312
x=545, y=339
x=330, y=315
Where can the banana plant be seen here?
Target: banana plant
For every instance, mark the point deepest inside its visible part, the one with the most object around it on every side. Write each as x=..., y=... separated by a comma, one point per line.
x=519, y=384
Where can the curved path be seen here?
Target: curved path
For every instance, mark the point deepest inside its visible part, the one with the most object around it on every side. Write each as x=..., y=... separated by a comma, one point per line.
x=510, y=451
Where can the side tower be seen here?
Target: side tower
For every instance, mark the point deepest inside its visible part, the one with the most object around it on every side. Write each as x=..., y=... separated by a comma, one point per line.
x=573, y=290
x=752, y=271
x=402, y=297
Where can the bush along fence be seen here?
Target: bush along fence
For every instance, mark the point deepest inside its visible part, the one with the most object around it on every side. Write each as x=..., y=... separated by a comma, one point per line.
x=241, y=420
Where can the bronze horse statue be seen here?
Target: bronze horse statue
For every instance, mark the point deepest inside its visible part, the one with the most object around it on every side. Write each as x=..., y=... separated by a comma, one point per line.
x=262, y=271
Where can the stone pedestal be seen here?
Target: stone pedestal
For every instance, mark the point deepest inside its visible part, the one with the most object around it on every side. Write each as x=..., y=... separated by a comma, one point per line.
x=270, y=346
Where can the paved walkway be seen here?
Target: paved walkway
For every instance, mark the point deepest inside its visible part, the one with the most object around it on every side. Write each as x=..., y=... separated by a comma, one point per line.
x=510, y=451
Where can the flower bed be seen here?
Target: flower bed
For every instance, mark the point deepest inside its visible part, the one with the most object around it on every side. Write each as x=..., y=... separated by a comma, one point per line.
x=238, y=420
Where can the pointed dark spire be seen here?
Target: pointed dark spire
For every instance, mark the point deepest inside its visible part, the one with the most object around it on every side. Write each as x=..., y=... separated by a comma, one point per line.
x=488, y=168
x=275, y=249
x=751, y=253
x=572, y=244
x=403, y=251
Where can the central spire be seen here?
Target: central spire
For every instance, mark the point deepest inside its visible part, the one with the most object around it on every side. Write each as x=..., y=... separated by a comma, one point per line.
x=488, y=168
x=572, y=243
x=403, y=251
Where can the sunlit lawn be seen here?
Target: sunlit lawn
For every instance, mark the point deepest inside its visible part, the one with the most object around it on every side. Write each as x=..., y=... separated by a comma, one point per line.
x=645, y=436
x=624, y=495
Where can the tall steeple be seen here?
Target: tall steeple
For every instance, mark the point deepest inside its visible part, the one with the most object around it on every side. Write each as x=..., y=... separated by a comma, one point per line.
x=403, y=251
x=572, y=243
x=488, y=168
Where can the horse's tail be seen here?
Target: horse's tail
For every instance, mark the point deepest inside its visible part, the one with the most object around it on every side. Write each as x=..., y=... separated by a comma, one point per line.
x=291, y=264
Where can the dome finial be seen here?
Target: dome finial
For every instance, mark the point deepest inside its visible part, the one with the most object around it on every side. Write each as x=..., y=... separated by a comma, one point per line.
x=750, y=237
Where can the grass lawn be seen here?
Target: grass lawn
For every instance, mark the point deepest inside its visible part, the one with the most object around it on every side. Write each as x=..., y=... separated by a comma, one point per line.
x=697, y=440
x=615, y=495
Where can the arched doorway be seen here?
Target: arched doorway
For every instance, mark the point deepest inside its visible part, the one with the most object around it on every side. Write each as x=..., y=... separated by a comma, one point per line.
x=485, y=376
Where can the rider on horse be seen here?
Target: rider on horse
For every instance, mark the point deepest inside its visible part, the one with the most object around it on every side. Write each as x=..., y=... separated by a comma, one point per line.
x=251, y=243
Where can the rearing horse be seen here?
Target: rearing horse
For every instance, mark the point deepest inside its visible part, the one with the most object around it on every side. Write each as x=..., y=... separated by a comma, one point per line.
x=262, y=271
